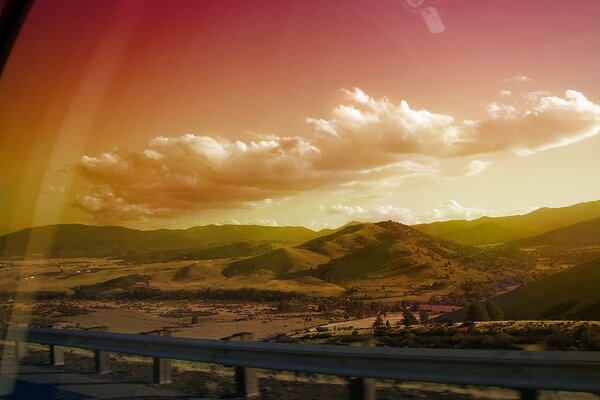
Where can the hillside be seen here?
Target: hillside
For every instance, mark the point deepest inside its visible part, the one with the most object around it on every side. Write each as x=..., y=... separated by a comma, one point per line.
x=376, y=251
x=585, y=233
x=75, y=240
x=571, y=294
x=281, y=263
x=488, y=230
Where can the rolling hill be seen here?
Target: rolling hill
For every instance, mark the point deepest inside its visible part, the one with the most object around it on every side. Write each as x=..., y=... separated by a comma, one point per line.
x=488, y=230
x=571, y=294
x=75, y=240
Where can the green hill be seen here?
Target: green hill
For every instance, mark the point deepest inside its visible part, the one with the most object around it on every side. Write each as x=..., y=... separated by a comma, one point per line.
x=585, y=233
x=488, y=230
x=571, y=294
x=76, y=240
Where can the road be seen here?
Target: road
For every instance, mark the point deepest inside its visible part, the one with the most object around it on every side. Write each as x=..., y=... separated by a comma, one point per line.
x=34, y=382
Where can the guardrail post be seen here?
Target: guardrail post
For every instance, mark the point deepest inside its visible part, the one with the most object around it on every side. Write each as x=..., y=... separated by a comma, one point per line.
x=101, y=358
x=57, y=355
x=20, y=350
x=363, y=388
x=246, y=380
x=161, y=366
x=529, y=394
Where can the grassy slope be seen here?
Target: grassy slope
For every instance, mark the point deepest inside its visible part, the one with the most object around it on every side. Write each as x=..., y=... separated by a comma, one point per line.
x=571, y=294
x=282, y=263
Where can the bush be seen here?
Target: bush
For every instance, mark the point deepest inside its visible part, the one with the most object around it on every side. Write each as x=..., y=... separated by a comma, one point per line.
x=494, y=312
x=477, y=312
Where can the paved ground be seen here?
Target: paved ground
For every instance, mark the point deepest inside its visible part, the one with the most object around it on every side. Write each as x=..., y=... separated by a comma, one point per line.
x=34, y=382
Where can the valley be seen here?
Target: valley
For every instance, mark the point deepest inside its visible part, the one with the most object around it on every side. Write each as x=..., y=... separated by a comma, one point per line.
x=384, y=263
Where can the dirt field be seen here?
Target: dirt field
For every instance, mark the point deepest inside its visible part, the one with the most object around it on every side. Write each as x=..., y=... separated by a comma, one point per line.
x=55, y=275
x=212, y=319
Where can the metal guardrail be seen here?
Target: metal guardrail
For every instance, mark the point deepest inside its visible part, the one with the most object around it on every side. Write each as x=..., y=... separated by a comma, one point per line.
x=520, y=370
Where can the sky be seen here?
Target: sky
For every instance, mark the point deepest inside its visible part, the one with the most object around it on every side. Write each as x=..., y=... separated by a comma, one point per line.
x=170, y=114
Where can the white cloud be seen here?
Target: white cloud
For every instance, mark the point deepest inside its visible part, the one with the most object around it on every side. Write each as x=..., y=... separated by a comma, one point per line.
x=343, y=209
x=267, y=222
x=449, y=210
x=365, y=142
x=377, y=132
x=505, y=93
x=476, y=166
x=519, y=79
x=546, y=122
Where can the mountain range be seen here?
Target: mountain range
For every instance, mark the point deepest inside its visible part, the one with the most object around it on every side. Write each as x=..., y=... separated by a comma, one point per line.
x=76, y=240
x=384, y=258
x=495, y=230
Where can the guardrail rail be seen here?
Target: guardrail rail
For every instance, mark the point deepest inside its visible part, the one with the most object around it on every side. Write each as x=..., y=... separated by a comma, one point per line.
x=525, y=371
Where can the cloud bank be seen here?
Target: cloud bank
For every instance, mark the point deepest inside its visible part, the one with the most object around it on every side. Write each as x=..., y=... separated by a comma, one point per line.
x=362, y=141
x=449, y=210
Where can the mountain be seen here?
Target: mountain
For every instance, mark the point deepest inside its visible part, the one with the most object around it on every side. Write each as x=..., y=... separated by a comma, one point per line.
x=582, y=234
x=76, y=240
x=488, y=230
x=362, y=251
x=571, y=294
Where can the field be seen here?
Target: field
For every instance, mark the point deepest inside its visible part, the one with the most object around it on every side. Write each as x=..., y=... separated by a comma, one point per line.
x=63, y=275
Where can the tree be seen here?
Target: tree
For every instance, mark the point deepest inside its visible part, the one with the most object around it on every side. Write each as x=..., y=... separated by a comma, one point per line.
x=378, y=326
x=415, y=306
x=409, y=318
x=284, y=306
x=404, y=304
x=494, y=312
x=477, y=312
x=378, y=323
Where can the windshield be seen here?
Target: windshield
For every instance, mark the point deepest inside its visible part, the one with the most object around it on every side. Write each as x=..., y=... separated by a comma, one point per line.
x=393, y=173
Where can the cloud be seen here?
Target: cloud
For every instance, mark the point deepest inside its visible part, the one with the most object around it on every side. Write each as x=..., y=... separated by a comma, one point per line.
x=449, y=210
x=364, y=142
x=505, y=93
x=475, y=167
x=176, y=174
x=545, y=122
x=376, y=132
x=343, y=210
x=518, y=79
